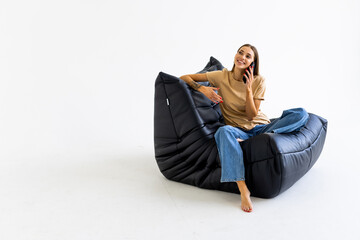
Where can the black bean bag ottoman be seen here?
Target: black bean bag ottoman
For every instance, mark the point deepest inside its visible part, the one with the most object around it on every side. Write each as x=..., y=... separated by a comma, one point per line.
x=185, y=122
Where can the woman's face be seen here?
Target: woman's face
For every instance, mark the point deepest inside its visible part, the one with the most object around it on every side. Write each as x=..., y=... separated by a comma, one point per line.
x=244, y=57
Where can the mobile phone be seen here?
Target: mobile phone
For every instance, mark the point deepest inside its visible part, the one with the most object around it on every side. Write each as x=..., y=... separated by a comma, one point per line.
x=251, y=65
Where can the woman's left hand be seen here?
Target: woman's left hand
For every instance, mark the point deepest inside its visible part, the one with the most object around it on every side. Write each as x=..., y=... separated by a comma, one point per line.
x=249, y=78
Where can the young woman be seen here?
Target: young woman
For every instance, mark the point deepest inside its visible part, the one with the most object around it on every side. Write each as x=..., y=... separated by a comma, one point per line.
x=240, y=105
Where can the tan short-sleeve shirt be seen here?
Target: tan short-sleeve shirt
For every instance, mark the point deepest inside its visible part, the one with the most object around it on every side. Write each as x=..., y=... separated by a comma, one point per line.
x=233, y=93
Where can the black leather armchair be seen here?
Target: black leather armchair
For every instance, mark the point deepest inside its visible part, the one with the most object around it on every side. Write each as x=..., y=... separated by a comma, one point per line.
x=185, y=122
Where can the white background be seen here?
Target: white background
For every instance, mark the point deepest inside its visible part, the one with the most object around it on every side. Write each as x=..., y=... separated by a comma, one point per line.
x=76, y=116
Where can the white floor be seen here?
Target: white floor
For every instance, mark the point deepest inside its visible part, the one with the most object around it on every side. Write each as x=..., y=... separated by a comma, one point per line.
x=123, y=195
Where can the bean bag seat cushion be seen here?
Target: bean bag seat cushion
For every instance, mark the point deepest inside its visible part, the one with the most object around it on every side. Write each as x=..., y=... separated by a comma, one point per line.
x=185, y=122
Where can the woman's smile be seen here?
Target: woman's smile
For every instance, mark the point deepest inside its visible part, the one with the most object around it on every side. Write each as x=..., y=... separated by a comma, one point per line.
x=241, y=62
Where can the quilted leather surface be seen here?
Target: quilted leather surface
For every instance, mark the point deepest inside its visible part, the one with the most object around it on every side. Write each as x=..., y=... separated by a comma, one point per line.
x=185, y=122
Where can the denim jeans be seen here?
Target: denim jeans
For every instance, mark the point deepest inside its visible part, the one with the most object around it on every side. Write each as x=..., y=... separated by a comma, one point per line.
x=230, y=152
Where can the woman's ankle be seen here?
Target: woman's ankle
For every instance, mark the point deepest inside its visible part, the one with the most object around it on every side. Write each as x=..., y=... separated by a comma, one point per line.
x=243, y=188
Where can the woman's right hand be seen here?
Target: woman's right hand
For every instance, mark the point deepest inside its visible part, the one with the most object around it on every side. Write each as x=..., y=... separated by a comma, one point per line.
x=210, y=93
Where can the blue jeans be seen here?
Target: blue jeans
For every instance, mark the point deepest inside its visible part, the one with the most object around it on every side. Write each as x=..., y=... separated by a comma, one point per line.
x=230, y=152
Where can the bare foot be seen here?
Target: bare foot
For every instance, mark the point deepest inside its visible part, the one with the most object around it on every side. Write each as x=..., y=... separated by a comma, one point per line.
x=246, y=204
x=239, y=140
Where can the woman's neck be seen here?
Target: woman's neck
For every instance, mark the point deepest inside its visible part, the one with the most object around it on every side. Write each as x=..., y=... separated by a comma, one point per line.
x=238, y=74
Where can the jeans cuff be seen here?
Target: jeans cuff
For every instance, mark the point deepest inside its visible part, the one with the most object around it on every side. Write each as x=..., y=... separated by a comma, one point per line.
x=232, y=180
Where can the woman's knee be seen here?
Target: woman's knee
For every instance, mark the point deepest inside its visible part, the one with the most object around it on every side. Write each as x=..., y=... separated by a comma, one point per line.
x=302, y=114
x=297, y=113
x=230, y=131
x=225, y=131
x=301, y=111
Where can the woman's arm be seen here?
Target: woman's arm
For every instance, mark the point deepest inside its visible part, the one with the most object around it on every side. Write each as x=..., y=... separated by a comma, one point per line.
x=209, y=92
x=252, y=105
x=192, y=79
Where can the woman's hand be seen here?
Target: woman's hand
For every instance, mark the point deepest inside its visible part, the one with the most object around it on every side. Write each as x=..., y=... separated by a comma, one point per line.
x=252, y=105
x=249, y=75
x=210, y=93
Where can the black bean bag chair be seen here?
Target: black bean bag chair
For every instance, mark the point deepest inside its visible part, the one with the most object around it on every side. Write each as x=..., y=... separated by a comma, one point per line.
x=185, y=122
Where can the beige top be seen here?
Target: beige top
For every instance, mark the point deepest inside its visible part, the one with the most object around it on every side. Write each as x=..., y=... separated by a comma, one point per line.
x=233, y=93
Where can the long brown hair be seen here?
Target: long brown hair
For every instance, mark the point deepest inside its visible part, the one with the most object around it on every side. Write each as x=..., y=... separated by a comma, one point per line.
x=256, y=58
